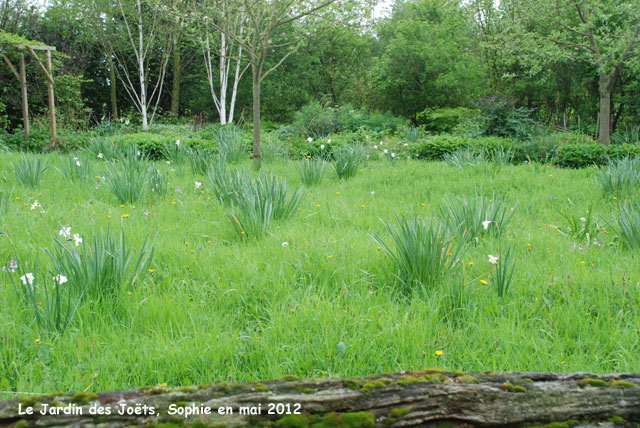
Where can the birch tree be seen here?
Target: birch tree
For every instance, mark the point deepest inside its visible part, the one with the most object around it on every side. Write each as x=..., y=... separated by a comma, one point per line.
x=228, y=50
x=139, y=34
x=263, y=20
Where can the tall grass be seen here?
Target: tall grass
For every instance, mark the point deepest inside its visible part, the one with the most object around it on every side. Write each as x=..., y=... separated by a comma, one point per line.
x=273, y=190
x=200, y=160
x=502, y=274
x=5, y=200
x=478, y=216
x=251, y=215
x=227, y=183
x=30, y=170
x=619, y=176
x=104, y=148
x=424, y=254
x=174, y=152
x=158, y=182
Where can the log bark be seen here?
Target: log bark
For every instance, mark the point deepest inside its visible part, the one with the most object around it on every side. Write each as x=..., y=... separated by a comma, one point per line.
x=408, y=399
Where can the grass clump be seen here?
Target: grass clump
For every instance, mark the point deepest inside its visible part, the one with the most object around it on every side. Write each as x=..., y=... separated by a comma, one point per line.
x=104, y=265
x=200, y=160
x=5, y=199
x=423, y=253
x=29, y=171
x=348, y=161
x=619, y=176
x=627, y=225
x=273, y=190
x=462, y=158
x=231, y=144
x=477, y=217
x=311, y=171
x=128, y=180
x=74, y=168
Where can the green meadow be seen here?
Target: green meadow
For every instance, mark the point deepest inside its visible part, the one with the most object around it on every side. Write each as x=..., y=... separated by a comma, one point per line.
x=316, y=295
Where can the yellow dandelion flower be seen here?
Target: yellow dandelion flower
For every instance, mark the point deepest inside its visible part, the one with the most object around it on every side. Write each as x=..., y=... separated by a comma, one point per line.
x=317, y=205
x=163, y=385
x=483, y=282
x=121, y=206
x=125, y=215
x=37, y=341
x=438, y=353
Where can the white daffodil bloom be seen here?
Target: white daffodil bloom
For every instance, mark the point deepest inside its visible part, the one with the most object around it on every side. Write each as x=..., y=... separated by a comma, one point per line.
x=486, y=224
x=198, y=184
x=178, y=143
x=285, y=244
x=386, y=151
x=60, y=279
x=310, y=139
x=35, y=205
x=393, y=155
x=321, y=146
x=100, y=156
x=65, y=232
x=27, y=279
x=77, y=240
x=493, y=259
x=329, y=141
x=582, y=219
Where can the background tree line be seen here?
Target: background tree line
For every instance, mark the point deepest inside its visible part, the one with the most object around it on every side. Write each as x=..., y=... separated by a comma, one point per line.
x=569, y=64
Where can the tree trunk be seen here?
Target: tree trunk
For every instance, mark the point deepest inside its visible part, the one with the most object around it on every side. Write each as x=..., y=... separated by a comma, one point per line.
x=113, y=96
x=605, y=86
x=177, y=75
x=409, y=399
x=257, y=154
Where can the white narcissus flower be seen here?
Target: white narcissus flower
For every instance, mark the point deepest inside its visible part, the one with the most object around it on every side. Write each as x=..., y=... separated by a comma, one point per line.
x=582, y=219
x=77, y=240
x=60, y=279
x=100, y=156
x=27, y=279
x=198, y=184
x=126, y=122
x=35, y=205
x=375, y=147
x=486, y=224
x=310, y=139
x=329, y=141
x=178, y=143
x=393, y=155
x=77, y=163
x=386, y=151
x=285, y=244
x=65, y=232
x=493, y=259
x=321, y=146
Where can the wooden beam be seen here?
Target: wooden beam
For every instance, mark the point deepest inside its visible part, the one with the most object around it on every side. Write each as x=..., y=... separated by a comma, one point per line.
x=41, y=65
x=25, y=101
x=13, y=69
x=52, y=103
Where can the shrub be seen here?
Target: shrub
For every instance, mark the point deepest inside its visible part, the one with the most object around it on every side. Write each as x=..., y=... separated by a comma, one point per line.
x=348, y=161
x=311, y=171
x=476, y=217
x=619, y=176
x=103, y=266
x=30, y=170
x=445, y=119
x=423, y=253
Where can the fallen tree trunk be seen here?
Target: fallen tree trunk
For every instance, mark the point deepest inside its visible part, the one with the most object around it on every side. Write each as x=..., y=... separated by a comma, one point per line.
x=410, y=399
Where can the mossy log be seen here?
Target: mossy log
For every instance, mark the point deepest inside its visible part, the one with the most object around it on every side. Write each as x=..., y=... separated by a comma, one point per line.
x=409, y=399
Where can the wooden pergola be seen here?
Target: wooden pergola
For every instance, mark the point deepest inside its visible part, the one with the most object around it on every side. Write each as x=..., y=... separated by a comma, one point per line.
x=13, y=43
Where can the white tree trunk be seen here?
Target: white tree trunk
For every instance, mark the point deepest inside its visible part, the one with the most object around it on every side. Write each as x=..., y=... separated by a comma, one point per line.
x=141, y=72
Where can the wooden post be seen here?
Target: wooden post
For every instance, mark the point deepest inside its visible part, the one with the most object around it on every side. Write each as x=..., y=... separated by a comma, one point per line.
x=52, y=104
x=25, y=102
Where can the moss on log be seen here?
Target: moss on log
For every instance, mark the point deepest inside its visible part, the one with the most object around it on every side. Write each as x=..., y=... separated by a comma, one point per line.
x=410, y=399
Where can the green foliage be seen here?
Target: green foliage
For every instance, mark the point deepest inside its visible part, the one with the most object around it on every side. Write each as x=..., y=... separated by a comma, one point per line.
x=627, y=225
x=477, y=217
x=501, y=119
x=580, y=228
x=462, y=158
x=273, y=190
x=174, y=152
x=102, y=266
x=228, y=183
x=627, y=135
x=158, y=182
x=424, y=254
x=30, y=170
x=128, y=179
x=250, y=214
x=232, y=144
x=5, y=199
x=53, y=304
x=200, y=159
x=39, y=138
x=317, y=121
x=620, y=176
x=104, y=148
x=502, y=274
x=445, y=119
x=74, y=168
x=311, y=171
x=348, y=161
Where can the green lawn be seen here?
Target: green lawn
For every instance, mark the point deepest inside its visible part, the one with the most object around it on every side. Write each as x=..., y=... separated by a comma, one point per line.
x=218, y=308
